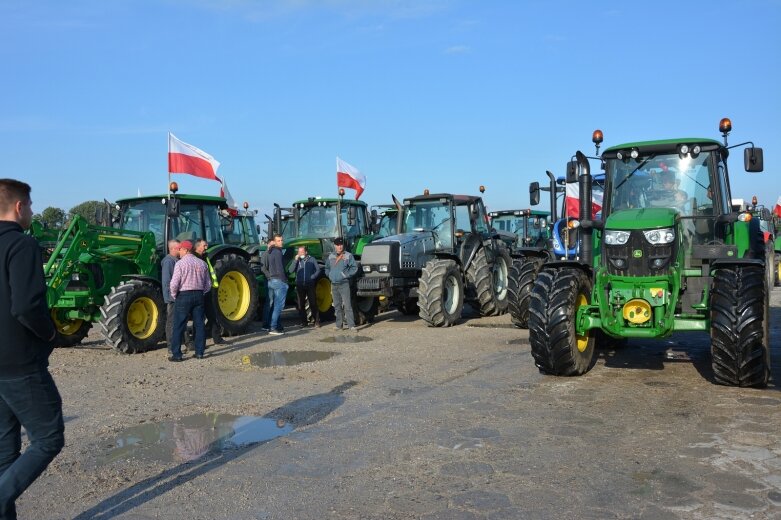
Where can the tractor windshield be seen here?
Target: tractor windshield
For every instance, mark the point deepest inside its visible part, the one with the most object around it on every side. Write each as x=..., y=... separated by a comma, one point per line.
x=662, y=181
x=288, y=228
x=318, y=222
x=194, y=221
x=510, y=223
x=429, y=215
x=387, y=225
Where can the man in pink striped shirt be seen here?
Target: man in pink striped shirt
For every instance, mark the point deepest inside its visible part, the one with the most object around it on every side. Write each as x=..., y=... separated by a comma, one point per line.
x=188, y=285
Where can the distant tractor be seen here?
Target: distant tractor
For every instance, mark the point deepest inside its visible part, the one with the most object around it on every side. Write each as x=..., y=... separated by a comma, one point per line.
x=522, y=228
x=111, y=275
x=765, y=227
x=667, y=255
x=317, y=222
x=444, y=255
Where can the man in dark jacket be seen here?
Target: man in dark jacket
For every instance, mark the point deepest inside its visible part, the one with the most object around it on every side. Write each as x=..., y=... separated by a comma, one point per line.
x=307, y=272
x=340, y=267
x=277, y=283
x=28, y=395
x=167, y=272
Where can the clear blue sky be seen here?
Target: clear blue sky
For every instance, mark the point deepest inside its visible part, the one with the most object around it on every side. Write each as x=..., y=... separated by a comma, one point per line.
x=437, y=94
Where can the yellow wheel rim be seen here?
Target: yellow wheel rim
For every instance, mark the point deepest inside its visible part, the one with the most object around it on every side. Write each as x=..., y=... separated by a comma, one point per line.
x=65, y=326
x=582, y=340
x=233, y=296
x=323, y=294
x=142, y=317
x=778, y=274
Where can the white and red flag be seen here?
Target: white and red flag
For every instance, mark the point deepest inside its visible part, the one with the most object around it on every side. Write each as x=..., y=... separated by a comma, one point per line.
x=186, y=158
x=573, y=201
x=348, y=176
x=224, y=193
x=777, y=209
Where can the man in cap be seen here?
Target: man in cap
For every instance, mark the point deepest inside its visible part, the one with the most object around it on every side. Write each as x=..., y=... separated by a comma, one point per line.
x=188, y=285
x=340, y=267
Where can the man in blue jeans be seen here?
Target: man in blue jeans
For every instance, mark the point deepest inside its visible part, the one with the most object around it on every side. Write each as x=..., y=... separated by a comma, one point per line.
x=189, y=283
x=277, y=283
x=28, y=395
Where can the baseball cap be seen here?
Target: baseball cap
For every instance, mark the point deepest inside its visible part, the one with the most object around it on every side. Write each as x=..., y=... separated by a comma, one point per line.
x=338, y=242
x=186, y=244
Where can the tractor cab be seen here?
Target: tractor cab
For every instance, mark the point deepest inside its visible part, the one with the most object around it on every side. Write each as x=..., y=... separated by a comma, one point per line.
x=385, y=220
x=521, y=227
x=239, y=227
x=318, y=221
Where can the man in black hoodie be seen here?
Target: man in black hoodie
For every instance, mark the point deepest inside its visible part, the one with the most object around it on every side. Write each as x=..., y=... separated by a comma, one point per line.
x=28, y=395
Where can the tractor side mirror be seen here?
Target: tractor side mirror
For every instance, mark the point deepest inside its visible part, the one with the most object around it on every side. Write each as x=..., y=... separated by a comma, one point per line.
x=572, y=172
x=352, y=215
x=100, y=215
x=753, y=160
x=534, y=193
x=766, y=214
x=173, y=208
x=257, y=228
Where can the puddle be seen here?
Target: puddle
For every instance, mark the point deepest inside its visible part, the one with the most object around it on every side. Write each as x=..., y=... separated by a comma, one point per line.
x=191, y=438
x=286, y=358
x=492, y=325
x=346, y=339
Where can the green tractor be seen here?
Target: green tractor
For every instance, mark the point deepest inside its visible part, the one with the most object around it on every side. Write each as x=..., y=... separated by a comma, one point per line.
x=111, y=275
x=443, y=255
x=317, y=222
x=668, y=255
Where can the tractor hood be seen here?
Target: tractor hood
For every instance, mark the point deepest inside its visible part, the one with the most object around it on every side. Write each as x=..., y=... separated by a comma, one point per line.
x=642, y=218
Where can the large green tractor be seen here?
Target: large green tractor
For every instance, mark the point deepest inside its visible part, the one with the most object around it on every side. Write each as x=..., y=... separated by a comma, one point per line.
x=111, y=275
x=668, y=255
x=317, y=222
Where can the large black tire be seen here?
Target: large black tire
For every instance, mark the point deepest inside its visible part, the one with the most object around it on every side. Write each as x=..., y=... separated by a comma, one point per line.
x=522, y=275
x=441, y=293
x=132, y=318
x=739, y=327
x=770, y=265
x=236, y=299
x=489, y=282
x=555, y=298
x=324, y=299
x=69, y=332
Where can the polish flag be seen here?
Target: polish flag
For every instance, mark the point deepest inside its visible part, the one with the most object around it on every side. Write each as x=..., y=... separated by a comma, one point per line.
x=777, y=209
x=186, y=158
x=225, y=194
x=348, y=176
x=573, y=201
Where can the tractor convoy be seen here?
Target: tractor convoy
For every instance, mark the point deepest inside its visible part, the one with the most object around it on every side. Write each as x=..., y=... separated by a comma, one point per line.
x=651, y=245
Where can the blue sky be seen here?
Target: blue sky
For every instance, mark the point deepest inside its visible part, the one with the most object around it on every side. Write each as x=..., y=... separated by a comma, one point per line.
x=437, y=94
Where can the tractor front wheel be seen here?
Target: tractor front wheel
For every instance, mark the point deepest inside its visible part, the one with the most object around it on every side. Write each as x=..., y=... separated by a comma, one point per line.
x=555, y=298
x=490, y=282
x=132, y=318
x=323, y=298
x=70, y=331
x=236, y=299
x=739, y=327
x=441, y=293
x=522, y=275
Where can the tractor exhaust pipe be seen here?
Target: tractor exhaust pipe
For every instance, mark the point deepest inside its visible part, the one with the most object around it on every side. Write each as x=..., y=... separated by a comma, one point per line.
x=553, y=217
x=584, y=185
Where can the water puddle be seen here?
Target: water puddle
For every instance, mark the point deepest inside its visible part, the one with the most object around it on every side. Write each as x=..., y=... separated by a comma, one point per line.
x=285, y=358
x=346, y=339
x=190, y=438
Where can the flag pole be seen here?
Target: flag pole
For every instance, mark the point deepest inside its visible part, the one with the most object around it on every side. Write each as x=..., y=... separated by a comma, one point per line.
x=169, y=166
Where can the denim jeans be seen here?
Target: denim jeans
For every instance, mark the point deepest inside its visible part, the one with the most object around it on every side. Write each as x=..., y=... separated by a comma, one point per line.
x=267, y=306
x=343, y=298
x=188, y=303
x=279, y=288
x=31, y=401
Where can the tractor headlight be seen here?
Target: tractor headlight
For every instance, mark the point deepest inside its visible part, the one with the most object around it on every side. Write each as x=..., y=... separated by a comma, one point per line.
x=616, y=238
x=367, y=268
x=660, y=236
x=383, y=268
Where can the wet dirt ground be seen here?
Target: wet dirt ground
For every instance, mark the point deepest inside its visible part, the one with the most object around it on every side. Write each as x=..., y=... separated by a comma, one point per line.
x=404, y=421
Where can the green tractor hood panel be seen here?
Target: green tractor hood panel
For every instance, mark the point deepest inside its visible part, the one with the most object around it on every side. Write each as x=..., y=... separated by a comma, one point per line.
x=642, y=218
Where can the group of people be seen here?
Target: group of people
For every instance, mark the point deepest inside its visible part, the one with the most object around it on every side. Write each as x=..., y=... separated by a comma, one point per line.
x=340, y=268
x=188, y=279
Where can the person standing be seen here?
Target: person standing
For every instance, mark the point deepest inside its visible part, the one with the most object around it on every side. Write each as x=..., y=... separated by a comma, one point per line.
x=307, y=272
x=188, y=285
x=167, y=272
x=277, y=284
x=28, y=395
x=269, y=300
x=213, y=328
x=340, y=268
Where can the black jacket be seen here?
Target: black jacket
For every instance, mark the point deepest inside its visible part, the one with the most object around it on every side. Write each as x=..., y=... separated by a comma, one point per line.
x=274, y=265
x=307, y=271
x=25, y=323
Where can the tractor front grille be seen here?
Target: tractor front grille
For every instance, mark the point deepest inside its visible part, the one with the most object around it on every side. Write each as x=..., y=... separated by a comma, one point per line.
x=638, y=257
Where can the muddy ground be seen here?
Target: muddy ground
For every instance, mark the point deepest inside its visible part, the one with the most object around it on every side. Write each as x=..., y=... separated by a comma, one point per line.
x=405, y=421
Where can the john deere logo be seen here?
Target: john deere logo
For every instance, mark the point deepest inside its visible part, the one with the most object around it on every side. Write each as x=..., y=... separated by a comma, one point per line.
x=637, y=253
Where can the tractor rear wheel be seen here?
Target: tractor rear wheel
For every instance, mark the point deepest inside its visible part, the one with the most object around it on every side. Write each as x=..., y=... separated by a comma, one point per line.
x=441, y=293
x=739, y=327
x=132, y=318
x=522, y=275
x=236, y=299
x=70, y=331
x=555, y=298
x=490, y=282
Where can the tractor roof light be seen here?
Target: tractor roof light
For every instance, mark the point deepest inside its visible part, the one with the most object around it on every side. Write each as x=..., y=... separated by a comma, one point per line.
x=425, y=192
x=573, y=224
x=597, y=137
x=246, y=205
x=754, y=200
x=725, y=126
x=173, y=187
x=634, y=153
x=744, y=216
x=482, y=189
x=341, y=192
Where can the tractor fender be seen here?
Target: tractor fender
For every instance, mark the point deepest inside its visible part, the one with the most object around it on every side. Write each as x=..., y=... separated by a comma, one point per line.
x=157, y=283
x=577, y=264
x=727, y=262
x=226, y=249
x=469, y=249
x=447, y=256
x=532, y=252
